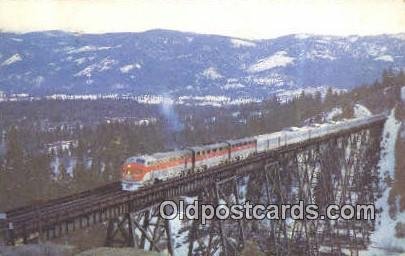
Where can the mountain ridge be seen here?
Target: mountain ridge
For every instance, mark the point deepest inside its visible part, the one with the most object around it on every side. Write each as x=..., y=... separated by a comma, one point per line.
x=187, y=63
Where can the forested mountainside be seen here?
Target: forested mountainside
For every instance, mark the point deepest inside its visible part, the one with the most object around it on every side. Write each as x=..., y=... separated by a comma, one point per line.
x=175, y=63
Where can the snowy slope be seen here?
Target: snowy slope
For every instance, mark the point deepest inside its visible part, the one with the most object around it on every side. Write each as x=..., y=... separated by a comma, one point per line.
x=361, y=111
x=383, y=240
x=176, y=63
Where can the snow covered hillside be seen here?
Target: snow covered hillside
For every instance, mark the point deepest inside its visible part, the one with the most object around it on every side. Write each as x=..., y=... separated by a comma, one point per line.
x=384, y=240
x=176, y=63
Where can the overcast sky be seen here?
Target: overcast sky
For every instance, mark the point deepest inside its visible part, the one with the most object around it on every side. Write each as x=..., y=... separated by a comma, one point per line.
x=253, y=19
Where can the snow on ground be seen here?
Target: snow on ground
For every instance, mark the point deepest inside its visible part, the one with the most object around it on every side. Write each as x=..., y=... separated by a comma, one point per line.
x=232, y=86
x=17, y=39
x=279, y=59
x=238, y=43
x=383, y=240
x=179, y=239
x=400, y=36
x=211, y=73
x=353, y=39
x=244, y=100
x=154, y=99
x=273, y=79
x=361, y=111
x=302, y=36
x=104, y=64
x=68, y=164
x=13, y=59
x=80, y=61
x=243, y=186
x=55, y=166
x=88, y=48
x=286, y=95
x=387, y=58
x=333, y=113
x=180, y=243
x=127, y=68
x=320, y=54
x=38, y=81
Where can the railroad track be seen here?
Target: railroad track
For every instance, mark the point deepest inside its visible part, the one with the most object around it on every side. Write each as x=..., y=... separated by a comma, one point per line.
x=68, y=202
x=61, y=200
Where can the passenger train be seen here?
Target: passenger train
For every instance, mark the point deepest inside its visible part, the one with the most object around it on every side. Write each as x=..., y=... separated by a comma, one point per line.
x=143, y=170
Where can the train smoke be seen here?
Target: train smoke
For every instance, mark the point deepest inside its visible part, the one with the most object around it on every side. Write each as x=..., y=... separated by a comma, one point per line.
x=174, y=124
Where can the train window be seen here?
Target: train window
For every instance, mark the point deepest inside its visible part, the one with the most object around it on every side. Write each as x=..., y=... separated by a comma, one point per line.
x=140, y=161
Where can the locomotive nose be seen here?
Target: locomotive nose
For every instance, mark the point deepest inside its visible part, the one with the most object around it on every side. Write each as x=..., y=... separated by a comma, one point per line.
x=131, y=172
x=127, y=171
x=131, y=177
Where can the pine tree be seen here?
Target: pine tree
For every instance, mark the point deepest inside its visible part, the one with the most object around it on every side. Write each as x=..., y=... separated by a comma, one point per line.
x=40, y=175
x=13, y=172
x=64, y=181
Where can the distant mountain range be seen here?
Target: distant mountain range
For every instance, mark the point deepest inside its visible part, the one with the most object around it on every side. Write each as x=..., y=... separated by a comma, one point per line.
x=175, y=63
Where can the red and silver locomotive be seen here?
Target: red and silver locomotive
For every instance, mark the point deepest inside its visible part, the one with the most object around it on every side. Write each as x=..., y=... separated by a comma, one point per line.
x=142, y=170
x=147, y=169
